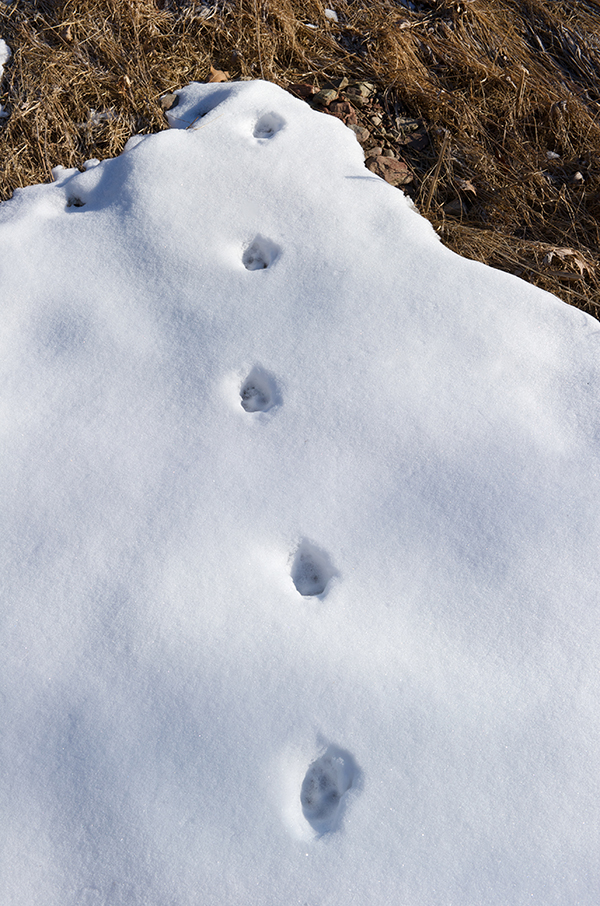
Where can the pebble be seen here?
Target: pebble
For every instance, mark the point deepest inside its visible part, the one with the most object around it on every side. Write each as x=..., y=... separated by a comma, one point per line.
x=168, y=101
x=302, y=91
x=345, y=111
x=360, y=94
x=324, y=97
x=361, y=133
x=393, y=171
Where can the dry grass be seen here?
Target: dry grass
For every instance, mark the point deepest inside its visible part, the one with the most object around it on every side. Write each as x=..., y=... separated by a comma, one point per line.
x=499, y=83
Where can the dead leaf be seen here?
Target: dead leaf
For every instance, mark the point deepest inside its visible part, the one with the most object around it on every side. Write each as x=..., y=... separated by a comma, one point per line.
x=217, y=75
x=569, y=256
x=124, y=84
x=466, y=185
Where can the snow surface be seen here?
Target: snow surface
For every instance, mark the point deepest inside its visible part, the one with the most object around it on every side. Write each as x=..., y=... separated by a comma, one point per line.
x=4, y=55
x=300, y=537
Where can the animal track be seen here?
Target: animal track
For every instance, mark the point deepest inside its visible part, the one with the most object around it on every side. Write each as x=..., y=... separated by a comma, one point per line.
x=260, y=254
x=311, y=570
x=268, y=125
x=259, y=391
x=75, y=202
x=326, y=781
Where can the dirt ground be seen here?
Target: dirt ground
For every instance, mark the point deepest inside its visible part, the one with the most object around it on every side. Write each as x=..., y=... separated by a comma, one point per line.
x=489, y=108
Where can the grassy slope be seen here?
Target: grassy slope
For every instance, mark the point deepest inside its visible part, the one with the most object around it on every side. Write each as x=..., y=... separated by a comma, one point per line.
x=499, y=83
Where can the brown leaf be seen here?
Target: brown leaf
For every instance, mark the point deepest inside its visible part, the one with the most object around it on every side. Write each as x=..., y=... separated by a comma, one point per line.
x=466, y=185
x=569, y=255
x=217, y=75
x=124, y=84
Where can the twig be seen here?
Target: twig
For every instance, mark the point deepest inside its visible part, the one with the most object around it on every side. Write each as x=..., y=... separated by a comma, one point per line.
x=42, y=148
x=520, y=92
x=199, y=117
x=436, y=172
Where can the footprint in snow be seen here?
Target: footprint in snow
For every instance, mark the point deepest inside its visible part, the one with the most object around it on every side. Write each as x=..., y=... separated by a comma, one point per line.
x=268, y=125
x=259, y=391
x=73, y=202
x=323, y=788
x=311, y=570
x=260, y=254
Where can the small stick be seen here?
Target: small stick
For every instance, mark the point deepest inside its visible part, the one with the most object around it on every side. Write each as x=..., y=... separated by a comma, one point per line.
x=438, y=167
x=199, y=117
x=521, y=92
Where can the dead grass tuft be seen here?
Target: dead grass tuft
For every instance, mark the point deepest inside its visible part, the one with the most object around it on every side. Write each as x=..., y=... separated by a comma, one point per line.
x=509, y=90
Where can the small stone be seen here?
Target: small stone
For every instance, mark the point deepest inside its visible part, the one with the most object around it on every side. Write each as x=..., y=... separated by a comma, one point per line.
x=388, y=153
x=344, y=111
x=362, y=134
x=377, y=151
x=395, y=172
x=168, y=101
x=363, y=89
x=302, y=91
x=376, y=119
x=360, y=93
x=324, y=97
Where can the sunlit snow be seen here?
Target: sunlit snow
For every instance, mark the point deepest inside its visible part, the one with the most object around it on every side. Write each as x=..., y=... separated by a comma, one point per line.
x=4, y=57
x=300, y=538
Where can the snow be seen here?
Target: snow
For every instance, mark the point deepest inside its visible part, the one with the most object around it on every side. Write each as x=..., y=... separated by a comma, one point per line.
x=4, y=57
x=300, y=538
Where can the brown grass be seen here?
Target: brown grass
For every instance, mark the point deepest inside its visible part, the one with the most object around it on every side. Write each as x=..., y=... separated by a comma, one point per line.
x=499, y=83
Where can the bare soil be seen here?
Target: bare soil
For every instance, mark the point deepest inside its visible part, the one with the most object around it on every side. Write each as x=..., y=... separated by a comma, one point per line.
x=493, y=105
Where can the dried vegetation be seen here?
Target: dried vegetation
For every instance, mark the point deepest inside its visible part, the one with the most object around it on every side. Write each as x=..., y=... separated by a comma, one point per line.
x=509, y=91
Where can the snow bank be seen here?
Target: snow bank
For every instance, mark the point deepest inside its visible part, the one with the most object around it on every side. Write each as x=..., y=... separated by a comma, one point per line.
x=299, y=546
